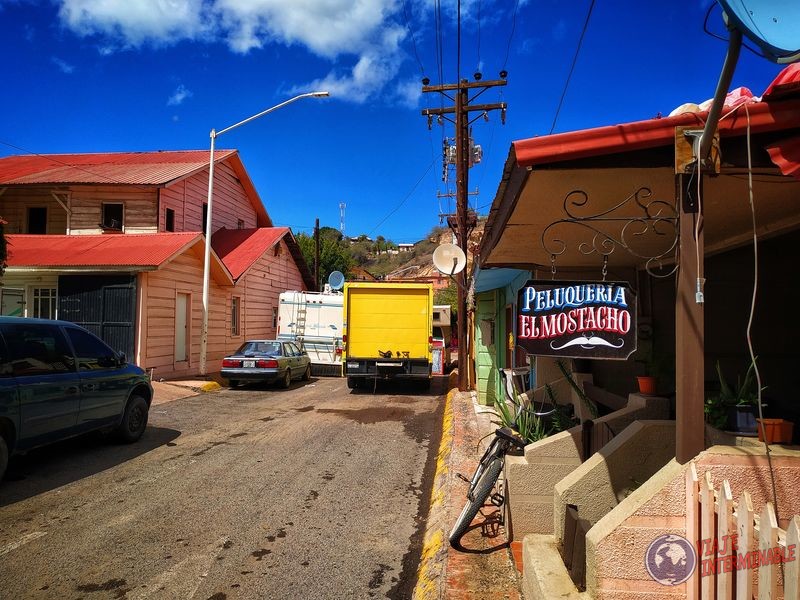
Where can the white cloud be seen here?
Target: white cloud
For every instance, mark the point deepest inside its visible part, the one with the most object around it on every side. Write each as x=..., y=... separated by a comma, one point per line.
x=179, y=95
x=135, y=22
x=360, y=83
x=62, y=65
x=409, y=92
x=361, y=38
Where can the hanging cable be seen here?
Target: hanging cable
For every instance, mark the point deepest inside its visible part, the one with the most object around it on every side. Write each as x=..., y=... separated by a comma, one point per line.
x=572, y=67
x=511, y=35
x=698, y=220
x=407, y=196
x=752, y=313
x=478, y=66
x=458, y=41
x=413, y=40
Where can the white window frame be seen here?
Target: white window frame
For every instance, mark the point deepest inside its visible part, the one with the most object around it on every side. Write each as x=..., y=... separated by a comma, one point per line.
x=36, y=304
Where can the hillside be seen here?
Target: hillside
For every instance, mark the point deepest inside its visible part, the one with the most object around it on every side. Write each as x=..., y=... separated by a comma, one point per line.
x=419, y=261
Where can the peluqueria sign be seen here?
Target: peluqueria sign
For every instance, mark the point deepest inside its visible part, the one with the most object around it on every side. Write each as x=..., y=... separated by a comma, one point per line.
x=577, y=319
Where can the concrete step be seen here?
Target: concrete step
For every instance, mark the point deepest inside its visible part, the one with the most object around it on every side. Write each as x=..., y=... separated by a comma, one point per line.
x=544, y=575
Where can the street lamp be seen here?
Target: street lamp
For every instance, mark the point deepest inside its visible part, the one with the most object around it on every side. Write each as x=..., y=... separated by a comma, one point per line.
x=207, y=258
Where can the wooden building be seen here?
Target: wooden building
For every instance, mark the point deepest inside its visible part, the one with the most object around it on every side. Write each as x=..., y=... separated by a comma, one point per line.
x=115, y=242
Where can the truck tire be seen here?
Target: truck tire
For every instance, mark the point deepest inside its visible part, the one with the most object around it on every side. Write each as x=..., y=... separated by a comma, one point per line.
x=353, y=383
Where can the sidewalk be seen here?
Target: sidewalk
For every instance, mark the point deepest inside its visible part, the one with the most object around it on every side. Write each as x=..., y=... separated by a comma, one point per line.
x=486, y=570
x=167, y=391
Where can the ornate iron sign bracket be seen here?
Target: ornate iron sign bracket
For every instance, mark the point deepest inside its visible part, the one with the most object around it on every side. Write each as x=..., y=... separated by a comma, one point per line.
x=606, y=231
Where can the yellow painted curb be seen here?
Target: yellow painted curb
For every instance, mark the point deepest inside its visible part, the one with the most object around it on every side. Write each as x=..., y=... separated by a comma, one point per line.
x=434, y=547
x=210, y=386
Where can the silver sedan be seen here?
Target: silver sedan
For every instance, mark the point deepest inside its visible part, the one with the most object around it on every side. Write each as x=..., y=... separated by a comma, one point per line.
x=268, y=361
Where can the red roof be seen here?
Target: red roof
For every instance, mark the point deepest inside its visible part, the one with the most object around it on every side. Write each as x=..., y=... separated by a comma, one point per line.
x=117, y=250
x=240, y=248
x=638, y=135
x=130, y=168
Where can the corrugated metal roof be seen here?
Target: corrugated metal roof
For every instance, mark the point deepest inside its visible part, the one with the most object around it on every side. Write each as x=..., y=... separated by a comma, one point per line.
x=240, y=248
x=130, y=168
x=117, y=250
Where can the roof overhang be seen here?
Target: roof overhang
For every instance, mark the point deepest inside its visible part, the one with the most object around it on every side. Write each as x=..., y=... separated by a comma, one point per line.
x=562, y=197
x=127, y=253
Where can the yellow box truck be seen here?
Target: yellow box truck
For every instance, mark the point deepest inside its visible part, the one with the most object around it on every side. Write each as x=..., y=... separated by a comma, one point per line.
x=387, y=332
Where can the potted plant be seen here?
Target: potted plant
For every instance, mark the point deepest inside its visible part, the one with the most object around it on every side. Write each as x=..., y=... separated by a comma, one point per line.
x=733, y=408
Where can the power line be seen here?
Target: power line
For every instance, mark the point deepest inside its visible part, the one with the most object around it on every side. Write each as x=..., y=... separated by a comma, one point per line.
x=478, y=66
x=511, y=35
x=407, y=196
x=413, y=41
x=572, y=68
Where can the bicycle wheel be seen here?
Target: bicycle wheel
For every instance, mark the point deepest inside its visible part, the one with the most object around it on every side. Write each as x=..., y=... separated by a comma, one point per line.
x=483, y=487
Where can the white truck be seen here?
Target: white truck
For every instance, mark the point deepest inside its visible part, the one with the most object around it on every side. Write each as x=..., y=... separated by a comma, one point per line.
x=314, y=320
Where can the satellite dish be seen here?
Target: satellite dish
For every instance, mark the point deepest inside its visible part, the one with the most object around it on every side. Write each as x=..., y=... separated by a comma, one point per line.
x=770, y=24
x=336, y=280
x=449, y=259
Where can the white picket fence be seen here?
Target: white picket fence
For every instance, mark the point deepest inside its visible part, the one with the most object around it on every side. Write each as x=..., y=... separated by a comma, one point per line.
x=765, y=558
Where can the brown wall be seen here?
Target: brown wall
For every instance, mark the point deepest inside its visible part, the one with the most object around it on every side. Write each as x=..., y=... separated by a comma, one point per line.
x=15, y=202
x=186, y=198
x=145, y=206
x=258, y=290
x=262, y=285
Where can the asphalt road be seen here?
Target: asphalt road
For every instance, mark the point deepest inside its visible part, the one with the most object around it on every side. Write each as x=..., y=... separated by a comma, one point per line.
x=311, y=492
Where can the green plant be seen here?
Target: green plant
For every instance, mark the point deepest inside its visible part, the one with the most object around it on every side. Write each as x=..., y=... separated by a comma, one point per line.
x=587, y=402
x=717, y=406
x=521, y=418
x=562, y=418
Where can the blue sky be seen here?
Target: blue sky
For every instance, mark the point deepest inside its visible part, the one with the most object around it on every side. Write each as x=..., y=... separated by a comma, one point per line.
x=128, y=75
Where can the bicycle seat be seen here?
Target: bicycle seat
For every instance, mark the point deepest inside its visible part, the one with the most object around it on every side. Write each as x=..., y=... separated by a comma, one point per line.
x=511, y=436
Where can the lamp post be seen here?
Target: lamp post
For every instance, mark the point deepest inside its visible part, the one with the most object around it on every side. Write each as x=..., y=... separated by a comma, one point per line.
x=207, y=257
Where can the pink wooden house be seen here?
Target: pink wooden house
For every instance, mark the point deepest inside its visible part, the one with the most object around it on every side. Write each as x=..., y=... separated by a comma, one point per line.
x=115, y=243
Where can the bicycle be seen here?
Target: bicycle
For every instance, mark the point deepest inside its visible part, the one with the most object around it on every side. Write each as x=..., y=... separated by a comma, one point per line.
x=491, y=464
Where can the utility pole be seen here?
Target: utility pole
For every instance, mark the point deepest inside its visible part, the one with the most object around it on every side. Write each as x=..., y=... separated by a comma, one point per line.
x=316, y=254
x=459, y=94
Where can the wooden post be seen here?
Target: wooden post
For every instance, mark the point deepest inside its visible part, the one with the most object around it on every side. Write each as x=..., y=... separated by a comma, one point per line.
x=767, y=540
x=726, y=528
x=744, y=525
x=693, y=529
x=689, y=324
x=708, y=532
x=791, y=573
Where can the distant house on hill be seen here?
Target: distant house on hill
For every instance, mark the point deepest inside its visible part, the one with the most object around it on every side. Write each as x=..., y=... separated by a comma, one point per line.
x=361, y=274
x=115, y=242
x=405, y=247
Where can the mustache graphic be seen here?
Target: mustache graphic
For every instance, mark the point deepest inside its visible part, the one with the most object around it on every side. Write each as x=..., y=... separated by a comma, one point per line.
x=588, y=343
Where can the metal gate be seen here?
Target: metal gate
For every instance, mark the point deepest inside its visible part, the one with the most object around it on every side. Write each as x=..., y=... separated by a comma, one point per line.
x=103, y=304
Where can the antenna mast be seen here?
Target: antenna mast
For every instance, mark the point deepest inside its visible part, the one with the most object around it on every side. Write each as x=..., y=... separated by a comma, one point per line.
x=341, y=217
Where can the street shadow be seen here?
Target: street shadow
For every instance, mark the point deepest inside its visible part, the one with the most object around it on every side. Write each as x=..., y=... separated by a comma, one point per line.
x=272, y=386
x=399, y=387
x=50, y=467
x=490, y=523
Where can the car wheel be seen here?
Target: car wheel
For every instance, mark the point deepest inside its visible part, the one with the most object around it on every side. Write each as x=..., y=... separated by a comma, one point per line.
x=233, y=383
x=287, y=378
x=307, y=373
x=134, y=420
x=3, y=456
